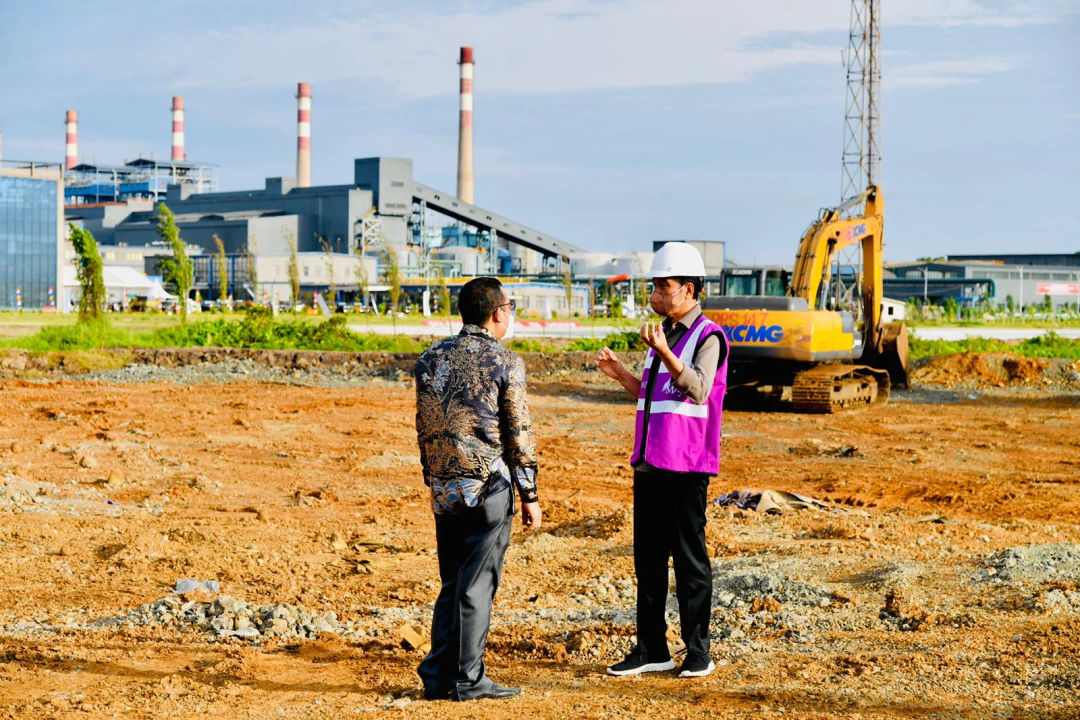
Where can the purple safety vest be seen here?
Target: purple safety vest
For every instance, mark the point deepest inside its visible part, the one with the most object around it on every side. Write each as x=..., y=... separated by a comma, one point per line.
x=682, y=435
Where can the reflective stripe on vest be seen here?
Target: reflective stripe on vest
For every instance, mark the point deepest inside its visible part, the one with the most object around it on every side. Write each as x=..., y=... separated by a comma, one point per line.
x=678, y=407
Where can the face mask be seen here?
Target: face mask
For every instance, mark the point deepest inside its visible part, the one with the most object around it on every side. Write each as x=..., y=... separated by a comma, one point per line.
x=666, y=301
x=509, y=328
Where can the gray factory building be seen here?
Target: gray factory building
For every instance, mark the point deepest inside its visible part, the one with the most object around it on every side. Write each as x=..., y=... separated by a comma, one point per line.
x=264, y=221
x=971, y=281
x=1039, y=259
x=383, y=196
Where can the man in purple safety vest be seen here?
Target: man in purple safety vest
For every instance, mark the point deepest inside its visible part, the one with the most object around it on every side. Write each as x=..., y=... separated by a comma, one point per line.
x=680, y=398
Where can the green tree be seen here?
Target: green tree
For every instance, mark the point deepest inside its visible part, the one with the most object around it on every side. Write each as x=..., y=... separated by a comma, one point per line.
x=88, y=269
x=641, y=294
x=568, y=283
x=1010, y=304
x=951, y=308
x=250, y=249
x=294, y=266
x=331, y=295
x=177, y=270
x=392, y=272
x=222, y=270
x=444, y=292
x=1047, y=304
x=910, y=308
x=362, y=276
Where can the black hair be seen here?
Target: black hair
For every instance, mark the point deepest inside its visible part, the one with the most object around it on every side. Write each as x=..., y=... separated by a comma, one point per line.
x=697, y=282
x=478, y=300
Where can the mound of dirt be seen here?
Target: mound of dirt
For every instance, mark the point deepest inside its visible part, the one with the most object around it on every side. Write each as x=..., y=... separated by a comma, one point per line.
x=999, y=370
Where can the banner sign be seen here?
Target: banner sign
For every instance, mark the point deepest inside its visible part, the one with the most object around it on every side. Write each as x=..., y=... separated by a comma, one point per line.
x=1058, y=289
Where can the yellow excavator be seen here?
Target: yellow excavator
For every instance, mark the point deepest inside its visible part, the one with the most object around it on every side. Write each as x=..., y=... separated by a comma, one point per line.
x=828, y=338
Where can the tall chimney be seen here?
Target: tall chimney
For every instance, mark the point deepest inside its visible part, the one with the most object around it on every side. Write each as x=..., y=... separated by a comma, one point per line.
x=303, y=135
x=178, y=154
x=465, y=146
x=71, y=147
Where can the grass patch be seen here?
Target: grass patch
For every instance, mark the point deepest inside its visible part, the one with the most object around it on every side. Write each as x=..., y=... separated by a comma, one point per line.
x=1048, y=345
x=260, y=330
x=619, y=342
x=84, y=361
x=255, y=330
x=84, y=336
x=531, y=346
x=263, y=331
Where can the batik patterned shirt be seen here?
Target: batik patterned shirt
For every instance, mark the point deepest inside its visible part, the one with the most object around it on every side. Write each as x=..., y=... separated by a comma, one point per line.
x=472, y=421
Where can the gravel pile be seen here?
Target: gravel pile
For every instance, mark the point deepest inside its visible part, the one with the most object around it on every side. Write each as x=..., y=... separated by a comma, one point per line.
x=605, y=590
x=238, y=370
x=226, y=616
x=734, y=585
x=1057, y=561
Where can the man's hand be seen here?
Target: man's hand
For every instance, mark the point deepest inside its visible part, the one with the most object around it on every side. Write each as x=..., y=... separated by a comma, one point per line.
x=609, y=363
x=611, y=366
x=531, y=517
x=653, y=335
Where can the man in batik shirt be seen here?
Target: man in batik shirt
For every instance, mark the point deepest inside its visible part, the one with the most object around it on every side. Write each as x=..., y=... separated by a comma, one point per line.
x=477, y=450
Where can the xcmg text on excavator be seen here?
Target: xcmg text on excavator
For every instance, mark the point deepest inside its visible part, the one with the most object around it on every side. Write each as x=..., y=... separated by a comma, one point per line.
x=828, y=338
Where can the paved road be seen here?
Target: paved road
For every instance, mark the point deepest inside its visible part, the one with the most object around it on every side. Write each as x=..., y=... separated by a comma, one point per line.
x=521, y=330
x=997, y=333
x=526, y=329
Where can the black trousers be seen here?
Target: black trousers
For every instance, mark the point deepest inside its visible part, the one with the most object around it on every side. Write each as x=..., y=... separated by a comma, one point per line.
x=669, y=521
x=471, y=547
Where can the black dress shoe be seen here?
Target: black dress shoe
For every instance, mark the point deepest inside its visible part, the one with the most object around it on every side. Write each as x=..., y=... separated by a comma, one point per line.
x=495, y=691
x=436, y=693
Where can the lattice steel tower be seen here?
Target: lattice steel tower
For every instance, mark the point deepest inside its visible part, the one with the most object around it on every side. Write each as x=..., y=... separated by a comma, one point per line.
x=862, y=119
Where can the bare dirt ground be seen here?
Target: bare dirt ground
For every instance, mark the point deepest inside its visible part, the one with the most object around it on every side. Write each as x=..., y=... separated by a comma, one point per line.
x=944, y=583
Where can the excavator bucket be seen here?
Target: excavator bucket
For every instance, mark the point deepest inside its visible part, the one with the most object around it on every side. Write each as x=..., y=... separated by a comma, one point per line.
x=892, y=353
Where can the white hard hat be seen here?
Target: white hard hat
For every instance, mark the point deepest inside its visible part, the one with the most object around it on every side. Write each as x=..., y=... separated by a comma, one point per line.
x=677, y=259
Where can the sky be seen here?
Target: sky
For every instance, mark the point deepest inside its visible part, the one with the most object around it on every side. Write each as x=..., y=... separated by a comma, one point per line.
x=605, y=123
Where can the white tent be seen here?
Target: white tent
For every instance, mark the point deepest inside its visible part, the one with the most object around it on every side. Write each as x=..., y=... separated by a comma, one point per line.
x=157, y=292
x=120, y=280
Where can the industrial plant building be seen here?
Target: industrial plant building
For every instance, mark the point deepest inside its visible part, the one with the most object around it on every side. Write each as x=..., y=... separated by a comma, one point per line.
x=994, y=279
x=343, y=237
x=31, y=235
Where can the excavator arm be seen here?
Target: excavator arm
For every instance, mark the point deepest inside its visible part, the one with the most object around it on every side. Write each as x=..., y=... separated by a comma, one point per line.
x=832, y=233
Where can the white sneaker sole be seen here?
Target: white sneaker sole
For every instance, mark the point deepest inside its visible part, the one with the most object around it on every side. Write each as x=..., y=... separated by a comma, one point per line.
x=698, y=673
x=646, y=668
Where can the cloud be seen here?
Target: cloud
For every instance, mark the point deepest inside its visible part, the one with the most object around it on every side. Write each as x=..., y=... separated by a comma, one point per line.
x=541, y=47
x=947, y=73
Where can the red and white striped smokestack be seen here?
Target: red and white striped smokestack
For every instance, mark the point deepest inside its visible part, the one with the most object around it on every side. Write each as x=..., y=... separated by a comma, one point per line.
x=465, y=126
x=303, y=135
x=178, y=153
x=71, y=146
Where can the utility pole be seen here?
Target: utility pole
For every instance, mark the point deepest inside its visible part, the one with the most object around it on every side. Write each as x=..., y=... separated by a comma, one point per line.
x=862, y=119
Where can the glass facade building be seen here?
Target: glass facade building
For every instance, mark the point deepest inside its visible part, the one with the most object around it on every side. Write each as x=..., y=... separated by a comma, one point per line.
x=29, y=240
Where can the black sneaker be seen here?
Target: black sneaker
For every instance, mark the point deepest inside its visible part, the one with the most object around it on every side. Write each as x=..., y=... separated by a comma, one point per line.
x=696, y=666
x=636, y=663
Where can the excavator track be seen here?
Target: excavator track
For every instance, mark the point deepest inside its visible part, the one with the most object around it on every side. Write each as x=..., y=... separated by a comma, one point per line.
x=830, y=388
